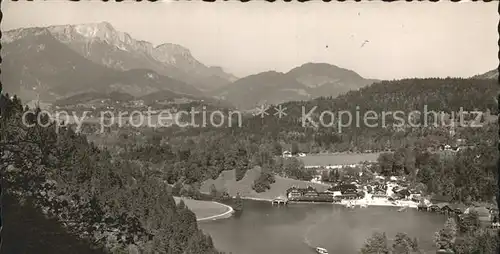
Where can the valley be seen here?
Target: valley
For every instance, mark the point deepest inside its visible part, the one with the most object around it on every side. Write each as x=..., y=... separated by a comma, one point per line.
x=120, y=136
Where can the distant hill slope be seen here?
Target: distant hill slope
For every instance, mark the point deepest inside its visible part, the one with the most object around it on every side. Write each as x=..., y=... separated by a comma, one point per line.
x=445, y=95
x=139, y=82
x=34, y=62
x=38, y=63
x=89, y=97
x=493, y=74
x=305, y=82
x=324, y=79
x=155, y=99
x=169, y=96
x=267, y=87
x=226, y=181
x=404, y=96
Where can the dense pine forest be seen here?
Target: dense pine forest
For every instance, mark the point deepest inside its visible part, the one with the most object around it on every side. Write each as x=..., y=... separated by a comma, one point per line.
x=438, y=95
x=447, y=96
x=113, y=202
x=191, y=155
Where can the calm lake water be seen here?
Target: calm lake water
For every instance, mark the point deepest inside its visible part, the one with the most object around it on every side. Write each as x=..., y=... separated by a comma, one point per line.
x=262, y=228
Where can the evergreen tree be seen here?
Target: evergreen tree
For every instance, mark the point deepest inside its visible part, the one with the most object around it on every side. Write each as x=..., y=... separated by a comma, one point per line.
x=376, y=244
x=403, y=244
x=469, y=222
x=238, y=203
x=295, y=148
x=213, y=191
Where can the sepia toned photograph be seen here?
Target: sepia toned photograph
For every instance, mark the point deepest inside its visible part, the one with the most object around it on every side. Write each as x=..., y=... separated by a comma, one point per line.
x=188, y=127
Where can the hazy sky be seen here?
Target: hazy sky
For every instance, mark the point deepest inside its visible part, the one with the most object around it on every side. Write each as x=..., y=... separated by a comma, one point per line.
x=405, y=39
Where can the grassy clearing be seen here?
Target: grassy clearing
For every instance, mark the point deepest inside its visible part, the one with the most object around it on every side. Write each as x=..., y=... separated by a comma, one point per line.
x=203, y=209
x=338, y=159
x=227, y=181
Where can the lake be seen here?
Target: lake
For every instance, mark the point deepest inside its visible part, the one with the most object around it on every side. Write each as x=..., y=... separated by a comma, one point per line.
x=298, y=228
x=261, y=228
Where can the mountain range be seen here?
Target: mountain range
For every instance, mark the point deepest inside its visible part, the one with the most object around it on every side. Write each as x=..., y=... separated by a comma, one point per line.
x=305, y=82
x=56, y=62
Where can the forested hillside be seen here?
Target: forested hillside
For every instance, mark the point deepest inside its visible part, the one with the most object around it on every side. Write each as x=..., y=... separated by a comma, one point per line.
x=114, y=203
x=123, y=187
x=439, y=95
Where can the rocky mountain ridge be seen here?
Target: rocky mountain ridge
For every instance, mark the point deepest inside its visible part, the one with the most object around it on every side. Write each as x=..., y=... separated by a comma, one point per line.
x=37, y=65
x=103, y=44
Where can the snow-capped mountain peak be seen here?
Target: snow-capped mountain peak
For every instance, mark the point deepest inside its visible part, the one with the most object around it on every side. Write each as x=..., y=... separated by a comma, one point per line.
x=172, y=53
x=101, y=43
x=174, y=49
x=102, y=31
x=16, y=34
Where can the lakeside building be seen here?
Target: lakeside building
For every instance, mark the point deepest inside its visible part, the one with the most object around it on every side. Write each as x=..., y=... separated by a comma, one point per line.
x=308, y=194
x=440, y=204
x=335, y=193
x=344, y=188
x=345, y=191
x=316, y=179
x=485, y=214
x=349, y=196
x=379, y=195
x=458, y=208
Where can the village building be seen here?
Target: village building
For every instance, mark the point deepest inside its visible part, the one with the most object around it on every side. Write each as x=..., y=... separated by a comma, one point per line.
x=349, y=196
x=484, y=213
x=445, y=208
x=402, y=194
x=311, y=193
x=294, y=193
x=308, y=194
x=440, y=199
x=379, y=195
x=459, y=208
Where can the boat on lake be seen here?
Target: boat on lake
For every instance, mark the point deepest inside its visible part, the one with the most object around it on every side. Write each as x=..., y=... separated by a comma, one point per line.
x=320, y=250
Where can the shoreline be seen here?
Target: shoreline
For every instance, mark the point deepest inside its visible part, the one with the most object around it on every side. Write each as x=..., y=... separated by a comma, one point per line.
x=408, y=204
x=256, y=199
x=223, y=215
x=378, y=203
